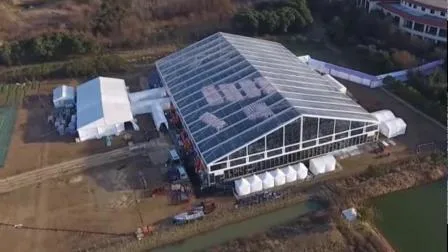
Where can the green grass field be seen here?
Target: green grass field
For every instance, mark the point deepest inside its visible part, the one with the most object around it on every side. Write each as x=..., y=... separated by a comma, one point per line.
x=7, y=121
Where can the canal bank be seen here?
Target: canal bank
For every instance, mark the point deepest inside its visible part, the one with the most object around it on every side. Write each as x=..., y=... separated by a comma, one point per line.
x=413, y=220
x=242, y=229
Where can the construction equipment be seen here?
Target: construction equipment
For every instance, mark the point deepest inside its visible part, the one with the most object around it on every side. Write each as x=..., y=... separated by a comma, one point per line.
x=179, y=193
x=143, y=232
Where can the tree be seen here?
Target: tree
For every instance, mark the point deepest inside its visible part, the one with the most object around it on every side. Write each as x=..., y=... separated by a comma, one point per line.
x=287, y=17
x=246, y=22
x=404, y=59
x=303, y=16
x=110, y=16
x=269, y=21
x=336, y=30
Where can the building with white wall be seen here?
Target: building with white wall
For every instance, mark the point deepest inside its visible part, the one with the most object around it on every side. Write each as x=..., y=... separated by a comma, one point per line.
x=102, y=108
x=426, y=19
x=249, y=105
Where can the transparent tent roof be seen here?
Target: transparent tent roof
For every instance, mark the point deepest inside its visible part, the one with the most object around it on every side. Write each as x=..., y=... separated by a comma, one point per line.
x=232, y=89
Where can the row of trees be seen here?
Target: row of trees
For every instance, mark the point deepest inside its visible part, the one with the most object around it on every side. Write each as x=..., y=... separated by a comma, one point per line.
x=428, y=93
x=82, y=67
x=47, y=47
x=274, y=18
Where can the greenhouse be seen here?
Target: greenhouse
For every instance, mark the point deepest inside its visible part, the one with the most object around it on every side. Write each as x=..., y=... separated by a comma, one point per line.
x=249, y=105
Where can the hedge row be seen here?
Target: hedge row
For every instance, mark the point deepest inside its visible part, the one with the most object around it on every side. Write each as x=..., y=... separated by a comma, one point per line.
x=83, y=67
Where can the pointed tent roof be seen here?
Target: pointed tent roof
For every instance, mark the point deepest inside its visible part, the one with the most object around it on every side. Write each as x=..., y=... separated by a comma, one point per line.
x=252, y=85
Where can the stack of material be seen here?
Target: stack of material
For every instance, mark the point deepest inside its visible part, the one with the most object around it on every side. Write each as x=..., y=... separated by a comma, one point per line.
x=268, y=180
x=242, y=187
x=256, y=185
x=302, y=171
x=317, y=166
x=279, y=177
x=290, y=174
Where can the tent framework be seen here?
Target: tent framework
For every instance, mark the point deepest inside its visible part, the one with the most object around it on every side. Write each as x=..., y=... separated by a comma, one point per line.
x=270, y=105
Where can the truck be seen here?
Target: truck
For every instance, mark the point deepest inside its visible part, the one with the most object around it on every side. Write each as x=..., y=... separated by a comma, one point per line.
x=195, y=213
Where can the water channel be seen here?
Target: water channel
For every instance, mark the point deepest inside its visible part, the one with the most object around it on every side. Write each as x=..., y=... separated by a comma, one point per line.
x=414, y=220
x=245, y=228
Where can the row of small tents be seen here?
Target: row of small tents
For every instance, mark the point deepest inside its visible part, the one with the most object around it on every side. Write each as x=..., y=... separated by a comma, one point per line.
x=278, y=177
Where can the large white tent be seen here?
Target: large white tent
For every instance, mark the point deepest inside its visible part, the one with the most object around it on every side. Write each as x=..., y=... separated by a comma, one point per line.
x=256, y=184
x=242, y=187
x=268, y=180
x=290, y=174
x=102, y=108
x=393, y=128
x=301, y=170
x=279, y=177
x=383, y=115
x=63, y=96
x=317, y=166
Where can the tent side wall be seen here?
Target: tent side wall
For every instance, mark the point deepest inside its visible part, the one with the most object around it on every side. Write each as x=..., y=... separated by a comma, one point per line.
x=88, y=133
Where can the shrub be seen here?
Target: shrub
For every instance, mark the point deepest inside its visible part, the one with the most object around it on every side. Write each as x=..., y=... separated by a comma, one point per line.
x=404, y=59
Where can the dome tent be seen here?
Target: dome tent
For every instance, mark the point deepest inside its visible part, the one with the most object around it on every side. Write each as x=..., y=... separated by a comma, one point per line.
x=302, y=171
x=256, y=184
x=290, y=174
x=317, y=166
x=383, y=115
x=279, y=177
x=393, y=128
x=330, y=163
x=267, y=180
x=242, y=187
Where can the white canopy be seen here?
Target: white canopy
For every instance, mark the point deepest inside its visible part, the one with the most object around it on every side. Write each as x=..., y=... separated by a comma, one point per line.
x=242, y=187
x=317, y=166
x=290, y=174
x=256, y=184
x=102, y=108
x=268, y=180
x=330, y=163
x=149, y=94
x=279, y=177
x=63, y=95
x=350, y=214
x=140, y=107
x=301, y=170
x=383, y=115
x=159, y=116
x=393, y=128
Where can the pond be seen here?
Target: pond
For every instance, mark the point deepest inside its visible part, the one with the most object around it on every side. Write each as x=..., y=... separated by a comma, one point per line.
x=414, y=220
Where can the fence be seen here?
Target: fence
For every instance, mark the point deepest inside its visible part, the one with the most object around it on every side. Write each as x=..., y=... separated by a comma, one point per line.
x=7, y=121
x=363, y=78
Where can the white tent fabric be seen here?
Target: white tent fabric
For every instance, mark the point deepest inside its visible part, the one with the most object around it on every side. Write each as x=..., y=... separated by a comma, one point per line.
x=242, y=187
x=383, y=115
x=268, y=180
x=150, y=94
x=330, y=163
x=393, y=128
x=301, y=170
x=102, y=108
x=256, y=184
x=63, y=95
x=317, y=166
x=350, y=214
x=159, y=116
x=290, y=174
x=140, y=107
x=279, y=177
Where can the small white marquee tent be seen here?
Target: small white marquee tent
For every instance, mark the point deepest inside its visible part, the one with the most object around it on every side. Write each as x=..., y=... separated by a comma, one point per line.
x=159, y=116
x=290, y=174
x=330, y=163
x=393, y=128
x=256, y=184
x=63, y=96
x=302, y=171
x=242, y=187
x=317, y=166
x=279, y=177
x=383, y=115
x=268, y=180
